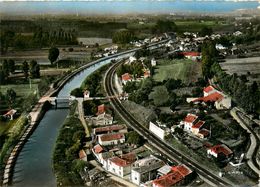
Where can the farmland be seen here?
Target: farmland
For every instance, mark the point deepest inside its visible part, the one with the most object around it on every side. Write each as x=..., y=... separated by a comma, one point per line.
x=186, y=70
x=243, y=66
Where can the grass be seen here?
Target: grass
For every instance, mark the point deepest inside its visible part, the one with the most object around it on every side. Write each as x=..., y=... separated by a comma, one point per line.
x=21, y=90
x=4, y=126
x=186, y=70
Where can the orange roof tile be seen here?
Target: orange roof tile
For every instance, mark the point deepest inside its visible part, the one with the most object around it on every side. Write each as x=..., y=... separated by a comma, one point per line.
x=126, y=77
x=109, y=137
x=191, y=53
x=204, y=132
x=125, y=160
x=168, y=180
x=208, y=89
x=82, y=154
x=98, y=148
x=221, y=149
x=198, y=125
x=190, y=118
x=101, y=109
x=210, y=98
x=182, y=169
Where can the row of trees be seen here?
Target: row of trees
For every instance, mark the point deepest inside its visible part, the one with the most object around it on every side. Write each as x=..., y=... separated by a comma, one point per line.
x=8, y=66
x=123, y=37
x=9, y=97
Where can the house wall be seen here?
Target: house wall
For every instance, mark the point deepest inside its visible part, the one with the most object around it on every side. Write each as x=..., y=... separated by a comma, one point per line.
x=225, y=103
x=135, y=177
x=156, y=130
x=187, y=126
x=112, y=142
x=210, y=152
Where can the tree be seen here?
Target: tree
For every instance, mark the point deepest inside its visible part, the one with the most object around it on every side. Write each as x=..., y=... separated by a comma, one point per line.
x=53, y=54
x=10, y=96
x=134, y=138
x=34, y=69
x=165, y=26
x=123, y=37
x=205, y=31
x=5, y=68
x=11, y=66
x=160, y=96
x=2, y=78
x=25, y=68
x=130, y=87
x=77, y=92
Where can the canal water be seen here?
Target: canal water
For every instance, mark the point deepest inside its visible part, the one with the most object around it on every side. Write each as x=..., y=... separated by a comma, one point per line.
x=34, y=164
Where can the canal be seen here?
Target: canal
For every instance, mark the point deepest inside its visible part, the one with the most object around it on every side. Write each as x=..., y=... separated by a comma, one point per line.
x=34, y=164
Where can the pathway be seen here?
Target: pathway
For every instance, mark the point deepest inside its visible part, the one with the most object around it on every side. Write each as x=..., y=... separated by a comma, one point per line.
x=81, y=116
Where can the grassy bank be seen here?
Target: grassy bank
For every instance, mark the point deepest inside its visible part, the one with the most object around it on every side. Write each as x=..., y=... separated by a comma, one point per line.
x=65, y=157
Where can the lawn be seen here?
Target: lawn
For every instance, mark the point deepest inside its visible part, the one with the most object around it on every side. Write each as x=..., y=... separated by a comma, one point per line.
x=186, y=70
x=22, y=90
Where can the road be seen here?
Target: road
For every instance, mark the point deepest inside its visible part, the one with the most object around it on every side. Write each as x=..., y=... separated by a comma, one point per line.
x=156, y=142
x=254, y=140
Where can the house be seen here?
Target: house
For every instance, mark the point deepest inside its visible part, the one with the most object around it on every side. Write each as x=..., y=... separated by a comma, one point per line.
x=195, y=56
x=208, y=90
x=121, y=165
x=220, y=150
x=220, y=47
x=101, y=155
x=159, y=129
x=111, y=139
x=145, y=170
x=179, y=175
x=126, y=78
x=83, y=155
x=10, y=114
x=102, y=119
x=212, y=95
x=86, y=94
x=147, y=73
x=189, y=121
x=101, y=109
x=132, y=59
x=153, y=62
x=197, y=127
x=203, y=133
x=108, y=129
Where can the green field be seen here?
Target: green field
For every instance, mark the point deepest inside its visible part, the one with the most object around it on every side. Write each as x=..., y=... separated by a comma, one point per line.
x=22, y=90
x=186, y=70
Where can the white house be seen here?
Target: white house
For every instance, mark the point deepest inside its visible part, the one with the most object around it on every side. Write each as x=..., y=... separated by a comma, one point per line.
x=159, y=129
x=220, y=47
x=145, y=172
x=86, y=94
x=132, y=59
x=223, y=103
x=10, y=114
x=153, y=62
x=189, y=121
x=111, y=139
x=122, y=165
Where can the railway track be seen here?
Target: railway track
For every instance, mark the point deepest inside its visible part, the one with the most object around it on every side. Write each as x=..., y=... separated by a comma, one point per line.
x=162, y=147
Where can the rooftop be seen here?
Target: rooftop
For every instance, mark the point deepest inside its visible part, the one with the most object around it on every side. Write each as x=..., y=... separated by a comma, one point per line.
x=208, y=89
x=204, y=132
x=125, y=160
x=126, y=77
x=190, y=118
x=101, y=109
x=109, y=137
x=82, y=154
x=191, y=53
x=108, y=128
x=98, y=148
x=211, y=98
x=182, y=169
x=221, y=149
x=149, y=167
x=198, y=125
x=168, y=180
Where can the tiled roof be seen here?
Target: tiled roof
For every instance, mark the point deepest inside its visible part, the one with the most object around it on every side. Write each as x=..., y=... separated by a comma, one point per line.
x=126, y=77
x=182, y=169
x=82, y=154
x=98, y=148
x=101, y=109
x=198, y=125
x=216, y=96
x=125, y=160
x=108, y=128
x=190, y=53
x=221, y=149
x=208, y=89
x=168, y=180
x=204, y=132
x=109, y=137
x=190, y=118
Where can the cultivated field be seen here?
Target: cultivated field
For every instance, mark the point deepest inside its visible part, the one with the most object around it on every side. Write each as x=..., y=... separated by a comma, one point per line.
x=186, y=70
x=22, y=90
x=242, y=65
x=91, y=41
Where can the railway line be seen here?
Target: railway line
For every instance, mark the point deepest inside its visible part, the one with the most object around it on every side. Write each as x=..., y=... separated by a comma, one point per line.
x=160, y=145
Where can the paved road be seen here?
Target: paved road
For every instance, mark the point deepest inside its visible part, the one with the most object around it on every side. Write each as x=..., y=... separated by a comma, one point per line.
x=251, y=152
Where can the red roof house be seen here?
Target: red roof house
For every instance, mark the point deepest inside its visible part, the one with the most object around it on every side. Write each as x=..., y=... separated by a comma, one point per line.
x=101, y=109
x=111, y=139
x=220, y=149
x=126, y=77
x=208, y=90
x=108, y=129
